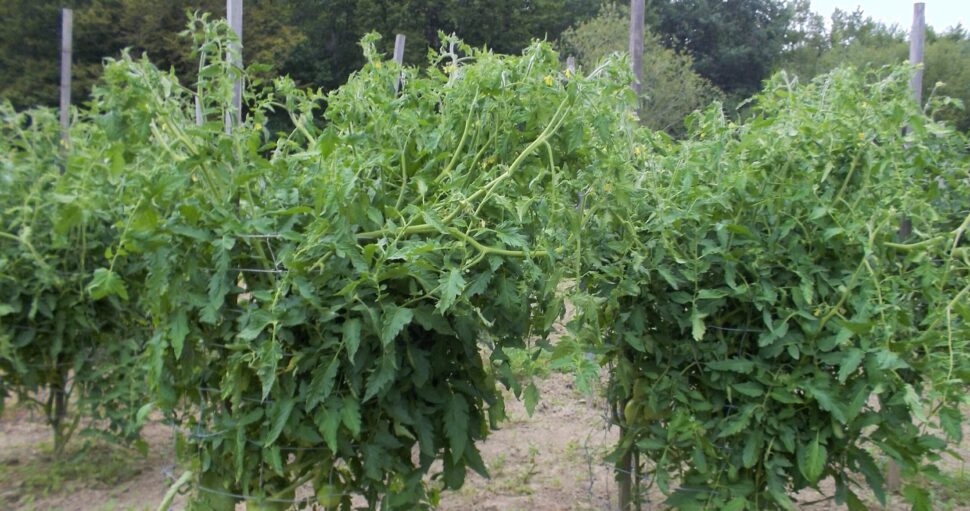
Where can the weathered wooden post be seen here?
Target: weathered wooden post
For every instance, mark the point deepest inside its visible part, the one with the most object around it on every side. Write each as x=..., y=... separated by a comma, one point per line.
x=637, y=9
x=67, y=30
x=571, y=64
x=917, y=37
x=234, y=15
x=399, y=59
x=624, y=469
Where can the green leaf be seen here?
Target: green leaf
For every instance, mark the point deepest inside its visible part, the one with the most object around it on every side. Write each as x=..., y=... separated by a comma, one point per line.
x=735, y=424
x=698, y=328
x=106, y=283
x=178, y=331
x=267, y=358
x=749, y=388
x=912, y=400
x=752, y=448
x=737, y=504
x=854, y=502
x=811, y=460
x=279, y=413
x=736, y=365
x=850, y=362
x=350, y=415
x=5, y=310
x=143, y=412
x=827, y=402
x=322, y=384
x=327, y=421
x=919, y=497
x=395, y=319
x=531, y=398
x=451, y=288
x=456, y=425
x=351, y=338
x=380, y=379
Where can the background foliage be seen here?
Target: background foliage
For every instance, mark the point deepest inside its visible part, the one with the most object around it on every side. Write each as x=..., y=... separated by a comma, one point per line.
x=671, y=88
x=734, y=45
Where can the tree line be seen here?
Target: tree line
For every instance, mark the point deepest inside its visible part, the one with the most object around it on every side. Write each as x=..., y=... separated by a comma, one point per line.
x=697, y=50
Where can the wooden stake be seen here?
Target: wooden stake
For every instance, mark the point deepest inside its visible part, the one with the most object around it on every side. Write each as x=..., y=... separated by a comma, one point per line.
x=399, y=59
x=234, y=15
x=67, y=29
x=637, y=9
x=624, y=467
x=571, y=64
x=917, y=37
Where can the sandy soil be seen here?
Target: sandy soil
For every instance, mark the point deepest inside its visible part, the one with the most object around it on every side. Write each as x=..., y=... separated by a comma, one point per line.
x=551, y=461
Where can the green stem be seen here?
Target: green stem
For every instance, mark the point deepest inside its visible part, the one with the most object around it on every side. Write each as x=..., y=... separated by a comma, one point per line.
x=404, y=173
x=848, y=177
x=461, y=143
x=845, y=295
x=170, y=494
x=909, y=247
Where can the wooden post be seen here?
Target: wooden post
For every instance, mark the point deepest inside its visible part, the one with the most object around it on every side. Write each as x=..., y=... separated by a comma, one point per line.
x=234, y=15
x=399, y=59
x=637, y=9
x=199, y=121
x=67, y=29
x=571, y=64
x=624, y=469
x=917, y=36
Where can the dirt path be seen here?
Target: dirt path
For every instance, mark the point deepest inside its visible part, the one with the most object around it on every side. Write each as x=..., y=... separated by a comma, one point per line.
x=551, y=461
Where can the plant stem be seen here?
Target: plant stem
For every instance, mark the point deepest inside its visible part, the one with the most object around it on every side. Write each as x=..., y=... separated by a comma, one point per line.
x=170, y=494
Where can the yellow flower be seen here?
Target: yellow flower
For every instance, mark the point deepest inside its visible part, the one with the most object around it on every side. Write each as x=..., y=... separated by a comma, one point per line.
x=569, y=73
x=637, y=151
x=450, y=68
x=548, y=80
x=862, y=136
x=377, y=64
x=258, y=126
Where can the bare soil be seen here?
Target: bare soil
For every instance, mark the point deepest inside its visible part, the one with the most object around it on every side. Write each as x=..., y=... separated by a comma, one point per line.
x=550, y=461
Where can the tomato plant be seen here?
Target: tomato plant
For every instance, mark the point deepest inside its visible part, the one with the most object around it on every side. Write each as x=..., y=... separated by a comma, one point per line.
x=66, y=346
x=331, y=304
x=768, y=326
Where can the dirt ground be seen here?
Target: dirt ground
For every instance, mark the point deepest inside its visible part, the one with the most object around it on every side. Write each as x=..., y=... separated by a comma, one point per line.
x=551, y=461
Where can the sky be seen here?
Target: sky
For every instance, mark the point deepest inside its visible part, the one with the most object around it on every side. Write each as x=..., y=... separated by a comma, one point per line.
x=940, y=14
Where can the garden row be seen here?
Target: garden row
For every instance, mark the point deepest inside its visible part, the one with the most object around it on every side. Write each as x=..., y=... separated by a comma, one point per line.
x=328, y=296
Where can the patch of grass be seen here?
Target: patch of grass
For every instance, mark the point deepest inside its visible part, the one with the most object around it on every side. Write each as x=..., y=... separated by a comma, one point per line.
x=528, y=363
x=497, y=466
x=25, y=480
x=951, y=490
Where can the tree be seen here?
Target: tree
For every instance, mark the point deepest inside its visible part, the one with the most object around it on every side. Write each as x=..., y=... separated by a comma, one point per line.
x=330, y=52
x=944, y=76
x=734, y=43
x=671, y=89
x=30, y=40
x=314, y=41
x=859, y=41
